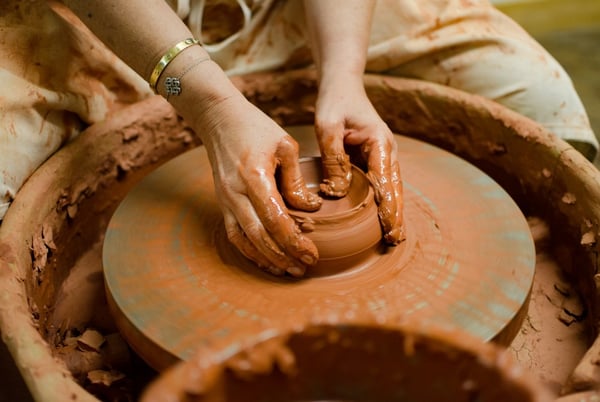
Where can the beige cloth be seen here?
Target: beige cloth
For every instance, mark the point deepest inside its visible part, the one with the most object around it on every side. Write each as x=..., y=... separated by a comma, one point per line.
x=57, y=78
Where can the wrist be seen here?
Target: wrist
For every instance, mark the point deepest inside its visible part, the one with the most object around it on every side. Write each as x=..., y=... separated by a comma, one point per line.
x=336, y=86
x=338, y=78
x=202, y=84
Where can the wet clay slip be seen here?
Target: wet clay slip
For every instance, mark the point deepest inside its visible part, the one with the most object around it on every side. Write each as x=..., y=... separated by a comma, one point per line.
x=174, y=281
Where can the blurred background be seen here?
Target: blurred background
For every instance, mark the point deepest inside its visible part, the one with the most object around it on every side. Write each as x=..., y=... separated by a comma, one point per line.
x=570, y=31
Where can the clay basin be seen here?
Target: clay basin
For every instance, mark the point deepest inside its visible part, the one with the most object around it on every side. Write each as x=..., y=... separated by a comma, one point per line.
x=345, y=230
x=353, y=363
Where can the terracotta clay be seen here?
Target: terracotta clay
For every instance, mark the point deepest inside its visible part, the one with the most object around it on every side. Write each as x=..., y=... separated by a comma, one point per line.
x=63, y=209
x=182, y=283
x=345, y=230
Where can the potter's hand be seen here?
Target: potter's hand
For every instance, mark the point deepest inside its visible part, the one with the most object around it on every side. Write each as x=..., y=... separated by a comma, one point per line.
x=339, y=37
x=245, y=148
x=345, y=118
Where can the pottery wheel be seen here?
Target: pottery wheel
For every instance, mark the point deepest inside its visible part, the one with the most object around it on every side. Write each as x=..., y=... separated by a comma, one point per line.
x=175, y=284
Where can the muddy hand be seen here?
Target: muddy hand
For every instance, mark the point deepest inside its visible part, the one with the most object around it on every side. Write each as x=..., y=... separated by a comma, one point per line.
x=246, y=148
x=345, y=118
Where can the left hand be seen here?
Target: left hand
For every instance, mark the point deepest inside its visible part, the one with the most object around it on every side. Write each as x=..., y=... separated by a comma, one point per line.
x=346, y=121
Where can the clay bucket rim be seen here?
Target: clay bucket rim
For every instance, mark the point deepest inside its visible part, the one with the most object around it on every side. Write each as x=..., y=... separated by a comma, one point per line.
x=201, y=375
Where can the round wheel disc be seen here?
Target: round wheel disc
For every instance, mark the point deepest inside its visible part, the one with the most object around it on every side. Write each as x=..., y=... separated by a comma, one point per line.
x=175, y=284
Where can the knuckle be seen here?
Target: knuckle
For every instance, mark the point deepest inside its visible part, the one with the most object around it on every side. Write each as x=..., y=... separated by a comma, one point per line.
x=289, y=145
x=234, y=235
x=326, y=127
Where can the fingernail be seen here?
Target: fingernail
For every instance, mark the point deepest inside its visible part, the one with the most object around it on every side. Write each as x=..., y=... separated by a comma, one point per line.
x=336, y=186
x=295, y=271
x=308, y=259
x=275, y=271
x=394, y=237
x=314, y=200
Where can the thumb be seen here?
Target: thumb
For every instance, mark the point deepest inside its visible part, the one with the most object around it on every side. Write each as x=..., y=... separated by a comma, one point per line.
x=293, y=186
x=337, y=174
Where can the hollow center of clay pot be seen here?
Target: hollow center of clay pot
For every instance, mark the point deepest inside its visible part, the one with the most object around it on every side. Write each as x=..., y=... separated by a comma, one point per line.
x=333, y=207
x=345, y=230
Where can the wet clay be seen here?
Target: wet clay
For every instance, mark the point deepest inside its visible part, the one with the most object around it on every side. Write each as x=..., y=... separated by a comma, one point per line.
x=345, y=230
x=453, y=270
x=62, y=211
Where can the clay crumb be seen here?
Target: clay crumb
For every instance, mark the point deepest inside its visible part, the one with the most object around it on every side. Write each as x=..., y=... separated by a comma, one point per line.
x=588, y=238
x=546, y=173
x=569, y=199
x=104, y=377
x=91, y=340
x=72, y=211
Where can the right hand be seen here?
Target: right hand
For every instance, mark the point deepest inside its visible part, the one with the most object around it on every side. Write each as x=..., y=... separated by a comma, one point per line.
x=245, y=148
x=345, y=119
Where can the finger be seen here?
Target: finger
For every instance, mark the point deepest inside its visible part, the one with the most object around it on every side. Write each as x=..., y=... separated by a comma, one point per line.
x=384, y=175
x=236, y=236
x=397, y=234
x=337, y=174
x=251, y=222
x=281, y=228
x=294, y=189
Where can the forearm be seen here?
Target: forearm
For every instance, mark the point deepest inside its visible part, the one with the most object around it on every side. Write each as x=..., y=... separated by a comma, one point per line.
x=339, y=36
x=140, y=32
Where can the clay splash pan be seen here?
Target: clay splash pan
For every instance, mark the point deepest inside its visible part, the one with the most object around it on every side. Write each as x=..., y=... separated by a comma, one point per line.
x=174, y=283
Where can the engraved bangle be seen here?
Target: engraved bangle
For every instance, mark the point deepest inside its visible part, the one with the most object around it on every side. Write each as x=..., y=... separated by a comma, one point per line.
x=173, y=84
x=167, y=58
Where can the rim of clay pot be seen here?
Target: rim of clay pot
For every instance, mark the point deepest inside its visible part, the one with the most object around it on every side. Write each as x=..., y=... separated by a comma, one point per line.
x=352, y=363
x=334, y=226
x=76, y=190
x=360, y=194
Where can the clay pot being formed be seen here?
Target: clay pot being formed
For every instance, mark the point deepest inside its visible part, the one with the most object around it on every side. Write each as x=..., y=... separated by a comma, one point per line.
x=345, y=230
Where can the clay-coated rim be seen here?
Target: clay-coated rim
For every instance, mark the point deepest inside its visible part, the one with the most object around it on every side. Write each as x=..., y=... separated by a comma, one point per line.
x=367, y=198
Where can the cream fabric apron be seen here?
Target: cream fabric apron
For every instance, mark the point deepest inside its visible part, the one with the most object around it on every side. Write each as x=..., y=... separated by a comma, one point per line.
x=57, y=78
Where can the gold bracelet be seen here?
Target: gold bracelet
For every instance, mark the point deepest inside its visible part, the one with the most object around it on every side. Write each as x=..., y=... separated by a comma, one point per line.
x=167, y=58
